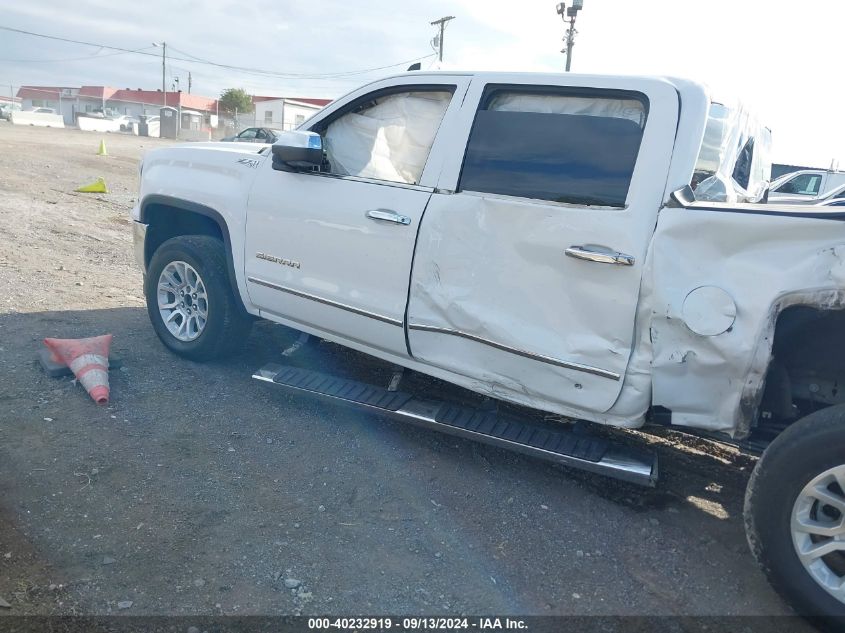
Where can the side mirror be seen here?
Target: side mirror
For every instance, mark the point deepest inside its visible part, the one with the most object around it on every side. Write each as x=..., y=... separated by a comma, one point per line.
x=681, y=198
x=296, y=150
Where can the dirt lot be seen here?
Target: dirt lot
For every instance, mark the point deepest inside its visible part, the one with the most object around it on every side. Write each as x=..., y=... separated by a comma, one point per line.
x=199, y=491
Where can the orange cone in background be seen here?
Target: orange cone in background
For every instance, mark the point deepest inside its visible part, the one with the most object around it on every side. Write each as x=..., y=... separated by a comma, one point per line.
x=88, y=359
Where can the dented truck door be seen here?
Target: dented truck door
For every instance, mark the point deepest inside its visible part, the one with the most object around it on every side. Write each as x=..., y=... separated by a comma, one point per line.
x=529, y=258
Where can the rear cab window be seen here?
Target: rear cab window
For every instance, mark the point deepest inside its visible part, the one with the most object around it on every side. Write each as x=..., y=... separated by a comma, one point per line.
x=555, y=144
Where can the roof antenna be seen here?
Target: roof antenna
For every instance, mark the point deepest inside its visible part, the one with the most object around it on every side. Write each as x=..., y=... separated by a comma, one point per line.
x=416, y=66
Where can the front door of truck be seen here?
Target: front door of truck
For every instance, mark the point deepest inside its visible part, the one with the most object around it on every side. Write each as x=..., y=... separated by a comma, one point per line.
x=528, y=264
x=332, y=250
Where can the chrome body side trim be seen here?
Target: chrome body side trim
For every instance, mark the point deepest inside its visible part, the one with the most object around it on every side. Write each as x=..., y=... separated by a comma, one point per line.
x=328, y=302
x=370, y=181
x=519, y=352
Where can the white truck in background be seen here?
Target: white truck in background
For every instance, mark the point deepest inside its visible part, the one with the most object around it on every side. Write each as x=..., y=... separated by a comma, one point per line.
x=38, y=117
x=806, y=186
x=533, y=238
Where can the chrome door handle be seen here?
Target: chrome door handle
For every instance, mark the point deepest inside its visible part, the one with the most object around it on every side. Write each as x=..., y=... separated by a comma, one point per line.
x=388, y=216
x=600, y=255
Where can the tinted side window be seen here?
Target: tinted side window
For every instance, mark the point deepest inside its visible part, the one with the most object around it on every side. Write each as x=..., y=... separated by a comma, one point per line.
x=552, y=146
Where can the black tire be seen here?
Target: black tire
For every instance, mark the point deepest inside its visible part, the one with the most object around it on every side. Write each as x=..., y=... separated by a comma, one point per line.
x=802, y=452
x=227, y=325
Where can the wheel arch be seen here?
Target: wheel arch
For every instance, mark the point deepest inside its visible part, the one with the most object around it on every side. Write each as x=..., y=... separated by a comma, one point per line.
x=167, y=217
x=802, y=337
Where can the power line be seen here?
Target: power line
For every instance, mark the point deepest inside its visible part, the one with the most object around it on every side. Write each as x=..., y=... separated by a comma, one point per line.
x=72, y=59
x=258, y=71
x=198, y=60
x=65, y=39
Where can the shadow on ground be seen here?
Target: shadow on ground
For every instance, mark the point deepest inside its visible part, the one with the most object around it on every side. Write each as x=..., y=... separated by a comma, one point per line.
x=199, y=491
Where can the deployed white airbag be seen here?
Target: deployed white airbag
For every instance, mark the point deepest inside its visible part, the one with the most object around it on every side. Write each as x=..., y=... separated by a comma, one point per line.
x=629, y=109
x=389, y=140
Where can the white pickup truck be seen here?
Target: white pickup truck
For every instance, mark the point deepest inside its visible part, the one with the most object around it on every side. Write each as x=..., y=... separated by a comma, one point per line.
x=807, y=186
x=533, y=238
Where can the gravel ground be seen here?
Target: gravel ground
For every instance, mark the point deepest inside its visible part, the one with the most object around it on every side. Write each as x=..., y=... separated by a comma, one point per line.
x=199, y=491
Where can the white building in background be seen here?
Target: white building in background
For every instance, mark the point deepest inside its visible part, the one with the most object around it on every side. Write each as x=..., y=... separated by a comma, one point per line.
x=284, y=113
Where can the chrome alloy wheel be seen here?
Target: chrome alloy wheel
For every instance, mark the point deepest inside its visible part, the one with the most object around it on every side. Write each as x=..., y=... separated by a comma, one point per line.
x=818, y=530
x=182, y=301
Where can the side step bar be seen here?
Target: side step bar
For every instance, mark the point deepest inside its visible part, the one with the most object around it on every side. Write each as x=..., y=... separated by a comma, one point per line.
x=593, y=454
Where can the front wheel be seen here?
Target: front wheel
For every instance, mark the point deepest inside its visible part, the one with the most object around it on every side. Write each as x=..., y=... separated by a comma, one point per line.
x=190, y=301
x=795, y=515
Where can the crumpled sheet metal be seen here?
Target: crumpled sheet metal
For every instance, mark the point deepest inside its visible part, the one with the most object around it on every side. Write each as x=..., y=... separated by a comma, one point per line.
x=765, y=263
x=541, y=316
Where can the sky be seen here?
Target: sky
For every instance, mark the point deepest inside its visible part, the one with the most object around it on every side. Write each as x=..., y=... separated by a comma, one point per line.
x=776, y=57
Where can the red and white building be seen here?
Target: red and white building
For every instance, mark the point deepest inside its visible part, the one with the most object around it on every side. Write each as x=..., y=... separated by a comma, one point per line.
x=283, y=113
x=70, y=102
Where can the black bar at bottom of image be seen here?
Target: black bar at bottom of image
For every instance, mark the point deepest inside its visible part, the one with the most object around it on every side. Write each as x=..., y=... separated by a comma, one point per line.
x=413, y=623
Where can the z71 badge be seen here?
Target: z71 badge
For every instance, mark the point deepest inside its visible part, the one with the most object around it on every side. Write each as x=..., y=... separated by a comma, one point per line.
x=249, y=162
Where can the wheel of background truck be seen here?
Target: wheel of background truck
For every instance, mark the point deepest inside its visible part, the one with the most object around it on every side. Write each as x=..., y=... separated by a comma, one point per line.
x=190, y=301
x=795, y=515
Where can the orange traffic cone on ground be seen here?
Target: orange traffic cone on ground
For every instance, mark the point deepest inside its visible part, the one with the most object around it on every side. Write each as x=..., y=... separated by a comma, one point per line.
x=88, y=359
x=102, y=151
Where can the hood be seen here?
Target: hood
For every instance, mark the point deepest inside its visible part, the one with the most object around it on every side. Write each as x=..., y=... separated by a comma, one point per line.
x=238, y=148
x=215, y=153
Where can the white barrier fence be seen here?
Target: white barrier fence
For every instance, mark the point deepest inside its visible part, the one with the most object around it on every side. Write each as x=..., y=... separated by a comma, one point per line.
x=41, y=119
x=153, y=129
x=92, y=124
x=194, y=135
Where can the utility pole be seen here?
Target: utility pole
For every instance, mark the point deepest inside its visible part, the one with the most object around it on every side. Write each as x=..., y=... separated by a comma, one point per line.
x=439, y=38
x=572, y=13
x=163, y=46
x=570, y=43
x=189, y=82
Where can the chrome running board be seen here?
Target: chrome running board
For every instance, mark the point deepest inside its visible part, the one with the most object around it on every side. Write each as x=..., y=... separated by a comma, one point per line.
x=593, y=454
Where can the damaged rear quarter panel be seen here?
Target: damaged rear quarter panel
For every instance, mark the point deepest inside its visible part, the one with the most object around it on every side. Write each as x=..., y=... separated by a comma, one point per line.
x=765, y=262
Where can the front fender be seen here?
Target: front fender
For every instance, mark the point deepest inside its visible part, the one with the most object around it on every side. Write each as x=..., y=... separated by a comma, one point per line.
x=209, y=179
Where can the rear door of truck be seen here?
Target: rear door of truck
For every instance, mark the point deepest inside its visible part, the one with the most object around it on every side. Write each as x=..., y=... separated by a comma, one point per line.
x=529, y=258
